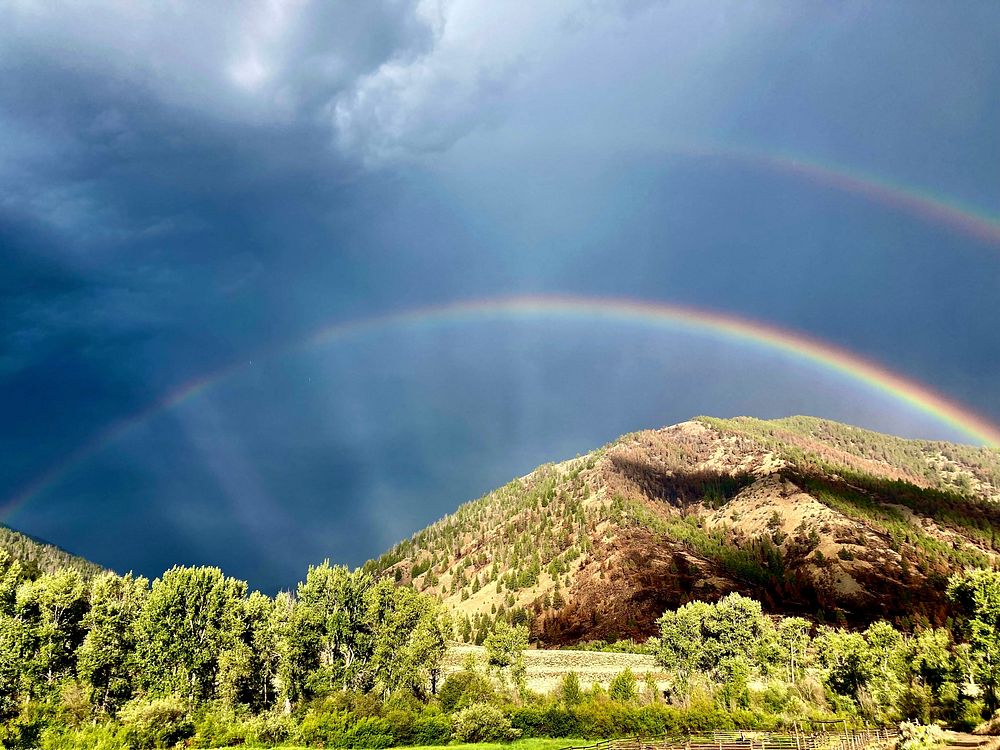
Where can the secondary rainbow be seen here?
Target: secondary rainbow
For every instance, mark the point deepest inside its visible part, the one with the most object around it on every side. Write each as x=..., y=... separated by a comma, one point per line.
x=533, y=308
x=919, y=202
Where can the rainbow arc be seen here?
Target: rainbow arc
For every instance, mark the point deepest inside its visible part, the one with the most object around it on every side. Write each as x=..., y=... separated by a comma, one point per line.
x=625, y=312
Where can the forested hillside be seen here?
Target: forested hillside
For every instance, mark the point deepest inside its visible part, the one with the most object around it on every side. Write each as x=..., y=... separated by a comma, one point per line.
x=812, y=517
x=41, y=557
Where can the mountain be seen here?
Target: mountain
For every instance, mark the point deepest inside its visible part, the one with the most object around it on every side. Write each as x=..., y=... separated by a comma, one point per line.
x=811, y=517
x=38, y=556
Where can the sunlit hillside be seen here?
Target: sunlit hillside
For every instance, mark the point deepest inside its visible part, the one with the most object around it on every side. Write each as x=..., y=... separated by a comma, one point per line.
x=812, y=517
x=37, y=556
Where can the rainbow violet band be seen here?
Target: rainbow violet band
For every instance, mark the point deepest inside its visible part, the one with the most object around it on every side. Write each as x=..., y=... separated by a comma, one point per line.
x=534, y=308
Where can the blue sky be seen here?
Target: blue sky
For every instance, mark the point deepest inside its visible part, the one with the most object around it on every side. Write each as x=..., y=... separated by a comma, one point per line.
x=185, y=185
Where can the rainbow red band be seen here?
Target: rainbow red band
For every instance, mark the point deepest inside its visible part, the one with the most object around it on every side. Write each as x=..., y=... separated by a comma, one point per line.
x=624, y=311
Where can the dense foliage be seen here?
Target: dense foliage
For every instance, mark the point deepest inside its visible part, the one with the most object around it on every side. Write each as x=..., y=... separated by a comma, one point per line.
x=350, y=661
x=879, y=674
x=37, y=556
x=153, y=656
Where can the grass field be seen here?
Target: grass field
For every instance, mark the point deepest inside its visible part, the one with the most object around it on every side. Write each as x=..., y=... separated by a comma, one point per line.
x=546, y=667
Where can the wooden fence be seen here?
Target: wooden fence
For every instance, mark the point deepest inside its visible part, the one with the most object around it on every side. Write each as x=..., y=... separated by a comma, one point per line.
x=845, y=739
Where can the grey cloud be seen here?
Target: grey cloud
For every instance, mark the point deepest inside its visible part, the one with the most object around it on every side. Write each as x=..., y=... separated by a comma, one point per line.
x=488, y=62
x=479, y=51
x=259, y=60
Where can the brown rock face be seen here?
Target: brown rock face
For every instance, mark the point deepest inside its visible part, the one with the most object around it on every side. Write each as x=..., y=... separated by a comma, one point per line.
x=808, y=516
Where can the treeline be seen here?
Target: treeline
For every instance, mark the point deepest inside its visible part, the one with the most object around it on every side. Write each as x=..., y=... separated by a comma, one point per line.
x=347, y=660
x=880, y=674
x=74, y=652
x=38, y=557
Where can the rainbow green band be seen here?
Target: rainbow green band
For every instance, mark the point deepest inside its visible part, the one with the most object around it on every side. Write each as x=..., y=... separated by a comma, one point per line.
x=623, y=311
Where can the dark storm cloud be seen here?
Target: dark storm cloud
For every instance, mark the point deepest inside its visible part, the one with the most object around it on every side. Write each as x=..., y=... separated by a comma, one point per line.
x=142, y=126
x=153, y=160
x=184, y=184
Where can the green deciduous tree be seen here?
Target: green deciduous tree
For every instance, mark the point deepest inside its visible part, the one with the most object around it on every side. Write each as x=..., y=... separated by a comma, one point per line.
x=248, y=668
x=681, y=640
x=333, y=615
x=886, y=649
x=847, y=659
x=408, y=636
x=977, y=595
x=505, y=650
x=932, y=660
x=13, y=655
x=791, y=645
x=108, y=659
x=11, y=576
x=712, y=638
x=191, y=617
x=296, y=636
x=735, y=628
x=52, y=607
x=12, y=638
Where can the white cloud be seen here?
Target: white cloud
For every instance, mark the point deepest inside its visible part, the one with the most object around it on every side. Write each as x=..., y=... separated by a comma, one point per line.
x=245, y=59
x=479, y=51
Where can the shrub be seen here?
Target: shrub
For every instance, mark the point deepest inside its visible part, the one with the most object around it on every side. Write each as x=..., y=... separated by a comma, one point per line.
x=601, y=718
x=704, y=719
x=369, y=732
x=482, y=722
x=158, y=723
x=352, y=702
x=947, y=697
x=217, y=726
x=401, y=725
x=991, y=727
x=321, y=727
x=545, y=721
x=915, y=704
x=811, y=691
x=433, y=729
x=25, y=729
x=777, y=698
x=268, y=729
x=530, y=720
x=561, y=722
x=623, y=687
x=461, y=689
x=970, y=715
x=918, y=737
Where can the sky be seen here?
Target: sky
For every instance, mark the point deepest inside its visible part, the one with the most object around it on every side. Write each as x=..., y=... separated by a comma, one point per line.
x=190, y=192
